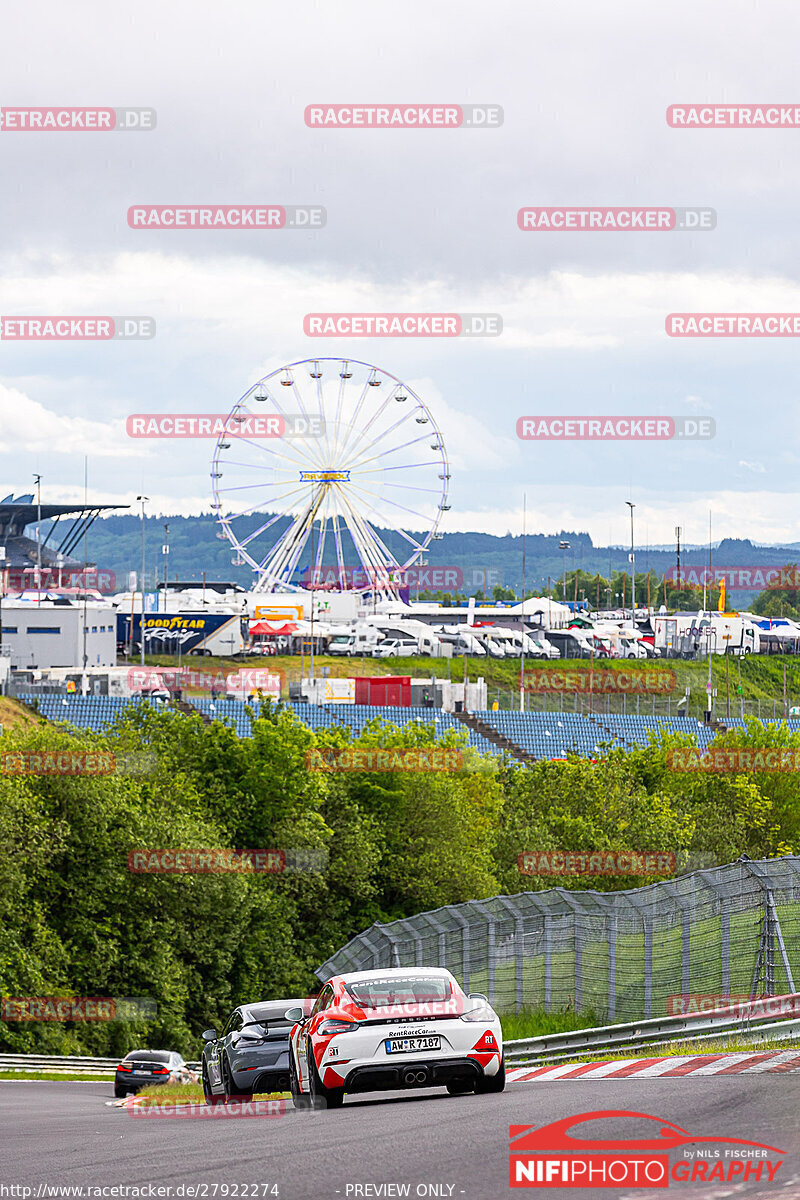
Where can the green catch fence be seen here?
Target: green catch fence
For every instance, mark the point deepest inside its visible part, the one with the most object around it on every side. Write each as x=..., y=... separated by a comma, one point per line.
x=731, y=930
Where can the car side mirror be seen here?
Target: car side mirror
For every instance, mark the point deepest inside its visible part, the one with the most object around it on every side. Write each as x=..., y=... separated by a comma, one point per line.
x=294, y=1014
x=209, y=1035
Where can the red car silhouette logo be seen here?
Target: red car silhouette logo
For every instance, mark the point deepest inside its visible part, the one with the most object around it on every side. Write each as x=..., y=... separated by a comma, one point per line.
x=556, y=1136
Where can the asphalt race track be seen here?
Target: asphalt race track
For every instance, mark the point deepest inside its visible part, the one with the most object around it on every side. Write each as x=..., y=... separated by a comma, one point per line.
x=65, y=1134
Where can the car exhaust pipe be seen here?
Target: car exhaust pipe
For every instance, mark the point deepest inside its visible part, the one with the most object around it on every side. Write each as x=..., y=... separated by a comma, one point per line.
x=422, y=1076
x=410, y=1077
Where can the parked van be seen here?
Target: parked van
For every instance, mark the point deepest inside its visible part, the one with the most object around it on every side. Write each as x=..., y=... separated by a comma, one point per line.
x=395, y=648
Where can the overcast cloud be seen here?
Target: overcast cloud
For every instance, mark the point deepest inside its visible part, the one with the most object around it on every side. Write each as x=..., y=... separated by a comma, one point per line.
x=417, y=220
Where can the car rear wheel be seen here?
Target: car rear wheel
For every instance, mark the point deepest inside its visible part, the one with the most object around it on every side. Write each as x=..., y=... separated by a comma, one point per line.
x=322, y=1097
x=299, y=1099
x=211, y=1099
x=230, y=1089
x=492, y=1083
x=119, y=1092
x=459, y=1087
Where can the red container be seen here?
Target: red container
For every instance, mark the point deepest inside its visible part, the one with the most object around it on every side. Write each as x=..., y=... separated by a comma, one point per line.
x=384, y=689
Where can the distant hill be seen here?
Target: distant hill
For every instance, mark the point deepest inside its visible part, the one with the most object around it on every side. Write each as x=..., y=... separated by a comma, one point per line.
x=197, y=545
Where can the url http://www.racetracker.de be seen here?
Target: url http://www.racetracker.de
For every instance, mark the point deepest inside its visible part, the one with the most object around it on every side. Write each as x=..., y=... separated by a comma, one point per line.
x=139, y=1191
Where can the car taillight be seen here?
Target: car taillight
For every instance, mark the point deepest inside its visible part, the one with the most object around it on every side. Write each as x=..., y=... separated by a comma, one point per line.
x=329, y=1028
x=160, y=1071
x=476, y=1016
x=124, y=1067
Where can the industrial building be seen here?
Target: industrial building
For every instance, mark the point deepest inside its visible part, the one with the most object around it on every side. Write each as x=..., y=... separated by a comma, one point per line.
x=58, y=632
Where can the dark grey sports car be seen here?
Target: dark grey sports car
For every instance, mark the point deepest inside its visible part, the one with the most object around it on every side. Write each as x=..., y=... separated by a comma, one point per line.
x=251, y=1054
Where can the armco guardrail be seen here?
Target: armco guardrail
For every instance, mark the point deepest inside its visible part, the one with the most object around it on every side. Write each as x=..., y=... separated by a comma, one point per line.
x=755, y=1019
x=60, y=1064
x=66, y=1064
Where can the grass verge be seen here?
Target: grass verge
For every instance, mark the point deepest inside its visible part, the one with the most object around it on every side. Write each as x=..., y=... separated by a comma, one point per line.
x=538, y=1023
x=190, y=1093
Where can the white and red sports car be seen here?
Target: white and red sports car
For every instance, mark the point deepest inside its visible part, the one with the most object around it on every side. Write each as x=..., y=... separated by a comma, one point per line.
x=405, y=1027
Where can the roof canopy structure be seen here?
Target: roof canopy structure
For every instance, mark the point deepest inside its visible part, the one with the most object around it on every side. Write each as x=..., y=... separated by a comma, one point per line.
x=18, y=513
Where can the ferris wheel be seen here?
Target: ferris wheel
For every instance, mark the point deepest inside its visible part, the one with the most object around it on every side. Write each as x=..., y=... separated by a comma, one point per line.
x=350, y=494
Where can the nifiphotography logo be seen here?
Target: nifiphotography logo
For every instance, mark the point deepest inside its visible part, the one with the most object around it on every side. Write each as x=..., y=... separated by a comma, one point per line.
x=550, y=1156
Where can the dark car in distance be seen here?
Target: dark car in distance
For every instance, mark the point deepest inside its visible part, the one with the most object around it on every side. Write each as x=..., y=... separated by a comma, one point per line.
x=141, y=1068
x=251, y=1054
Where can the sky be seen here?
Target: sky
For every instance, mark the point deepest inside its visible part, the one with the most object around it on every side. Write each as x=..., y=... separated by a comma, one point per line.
x=417, y=220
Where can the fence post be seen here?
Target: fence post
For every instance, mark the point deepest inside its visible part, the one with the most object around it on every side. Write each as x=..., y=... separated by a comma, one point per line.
x=442, y=934
x=465, y=963
x=724, y=930
x=770, y=933
x=687, y=911
x=374, y=950
x=606, y=907
x=392, y=940
x=408, y=924
x=547, y=940
x=519, y=946
x=577, y=936
x=647, y=929
x=490, y=944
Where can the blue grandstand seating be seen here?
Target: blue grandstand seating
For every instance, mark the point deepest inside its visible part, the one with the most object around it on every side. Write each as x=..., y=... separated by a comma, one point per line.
x=544, y=735
x=87, y=712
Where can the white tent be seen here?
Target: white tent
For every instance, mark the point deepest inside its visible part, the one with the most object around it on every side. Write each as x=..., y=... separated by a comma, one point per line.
x=553, y=614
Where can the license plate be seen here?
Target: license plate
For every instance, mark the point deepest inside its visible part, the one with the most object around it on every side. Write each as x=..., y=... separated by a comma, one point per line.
x=412, y=1045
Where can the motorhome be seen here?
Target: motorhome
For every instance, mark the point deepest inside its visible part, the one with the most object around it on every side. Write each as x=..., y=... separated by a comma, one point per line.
x=570, y=643
x=690, y=635
x=362, y=639
x=462, y=640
